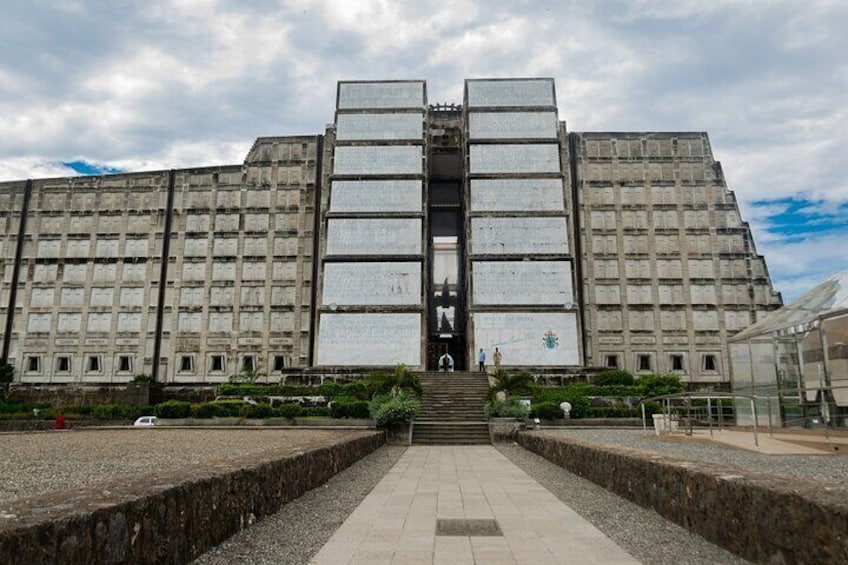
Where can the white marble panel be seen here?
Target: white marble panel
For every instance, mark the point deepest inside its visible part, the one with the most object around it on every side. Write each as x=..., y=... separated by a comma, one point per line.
x=366, y=95
x=369, y=339
x=516, y=92
x=522, y=282
x=531, y=338
x=358, y=127
x=508, y=195
x=374, y=236
x=512, y=125
x=512, y=158
x=529, y=236
x=372, y=284
x=376, y=196
x=378, y=160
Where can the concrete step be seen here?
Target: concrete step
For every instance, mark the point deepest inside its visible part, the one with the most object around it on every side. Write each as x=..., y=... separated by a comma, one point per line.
x=446, y=432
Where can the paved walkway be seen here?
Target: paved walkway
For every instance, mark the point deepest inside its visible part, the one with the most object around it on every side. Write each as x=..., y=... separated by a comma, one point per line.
x=397, y=521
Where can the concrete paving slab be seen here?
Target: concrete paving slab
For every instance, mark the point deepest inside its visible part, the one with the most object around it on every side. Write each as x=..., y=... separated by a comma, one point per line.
x=465, y=483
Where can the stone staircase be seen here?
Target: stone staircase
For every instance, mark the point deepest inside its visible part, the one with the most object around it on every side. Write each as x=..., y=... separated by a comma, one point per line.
x=452, y=409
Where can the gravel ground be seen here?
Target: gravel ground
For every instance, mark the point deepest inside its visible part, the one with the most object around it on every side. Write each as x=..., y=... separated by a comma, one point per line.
x=822, y=467
x=34, y=463
x=641, y=532
x=296, y=533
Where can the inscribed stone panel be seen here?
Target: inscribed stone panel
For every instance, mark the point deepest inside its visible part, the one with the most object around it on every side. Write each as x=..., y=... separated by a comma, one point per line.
x=106, y=248
x=102, y=296
x=512, y=125
x=374, y=236
x=134, y=272
x=522, y=282
x=70, y=323
x=513, y=92
x=499, y=236
x=132, y=296
x=41, y=297
x=48, y=248
x=379, y=126
x=225, y=247
x=77, y=249
x=38, y=323
x=221, y=296
x=129, y=322
x=506, y=195
x=705, y=320
x=376, y=196
x=367, y=284
x=369, y=339
x=76, y=273
x=223, y=271
x=365, y=95
x=541, y=339
x=510, y=158
x=42, y=274
x=378, y=160
x=194, y=247
x=71, y=297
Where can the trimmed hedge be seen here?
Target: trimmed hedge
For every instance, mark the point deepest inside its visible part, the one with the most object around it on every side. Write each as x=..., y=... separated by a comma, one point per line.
x=173, y=409
x=347, y=407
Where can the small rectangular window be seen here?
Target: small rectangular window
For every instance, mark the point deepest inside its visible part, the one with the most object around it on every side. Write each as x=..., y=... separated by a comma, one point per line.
x=643, y=362
x=677, y=362
x=125, y=364
x=279, y=362
x=612, y=361
x=93, y=365
x=63, y=364
x=710, y=365
x=34, y=364
x=218, y=364
x=186, y=364
x=248, y=363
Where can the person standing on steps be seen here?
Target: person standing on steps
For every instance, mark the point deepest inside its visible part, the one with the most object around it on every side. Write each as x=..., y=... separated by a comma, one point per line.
x=497, y=356
x=446, y=363
x=481, y=360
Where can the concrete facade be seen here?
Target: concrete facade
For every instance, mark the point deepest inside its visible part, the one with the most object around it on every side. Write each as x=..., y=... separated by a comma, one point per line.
x=439, y=228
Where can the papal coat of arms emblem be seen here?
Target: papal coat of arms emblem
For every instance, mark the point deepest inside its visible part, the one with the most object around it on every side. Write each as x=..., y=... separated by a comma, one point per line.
x=550, y=340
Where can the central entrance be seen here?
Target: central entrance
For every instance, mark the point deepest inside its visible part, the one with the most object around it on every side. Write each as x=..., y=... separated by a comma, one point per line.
x=445, y=240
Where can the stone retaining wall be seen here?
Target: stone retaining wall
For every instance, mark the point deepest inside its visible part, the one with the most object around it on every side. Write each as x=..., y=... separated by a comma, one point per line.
x=761, y=517
x=167, y=518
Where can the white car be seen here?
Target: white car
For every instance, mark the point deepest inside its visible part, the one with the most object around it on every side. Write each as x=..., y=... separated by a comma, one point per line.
x=146, y=421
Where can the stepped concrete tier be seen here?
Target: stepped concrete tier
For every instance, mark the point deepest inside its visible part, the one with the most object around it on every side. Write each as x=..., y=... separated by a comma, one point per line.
x=452, y=409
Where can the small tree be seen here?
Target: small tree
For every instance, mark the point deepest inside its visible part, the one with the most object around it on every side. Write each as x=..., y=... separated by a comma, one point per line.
x=248, y=375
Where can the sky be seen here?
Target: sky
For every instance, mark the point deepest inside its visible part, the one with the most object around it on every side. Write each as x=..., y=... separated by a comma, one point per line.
x=89, y=86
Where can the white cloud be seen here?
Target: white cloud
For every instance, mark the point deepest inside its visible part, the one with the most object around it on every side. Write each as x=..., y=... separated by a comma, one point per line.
x=171, y=83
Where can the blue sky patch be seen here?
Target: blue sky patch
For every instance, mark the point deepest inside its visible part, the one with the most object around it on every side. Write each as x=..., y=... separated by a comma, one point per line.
x=86, y=168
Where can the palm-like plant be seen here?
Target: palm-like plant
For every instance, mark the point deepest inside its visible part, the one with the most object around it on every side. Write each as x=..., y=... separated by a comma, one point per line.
x=511, y=383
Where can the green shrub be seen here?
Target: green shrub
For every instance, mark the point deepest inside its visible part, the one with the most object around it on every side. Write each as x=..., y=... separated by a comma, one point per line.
x=173, y=409
x=356, y=390
x=617, y=391
x=246, y=389
x=316, y=411
x=289, y=410
x=142, y=378
x=394, y=409
x=510, y=408
x=651, y=408
x=573, y=394
x=546, y=411
x=346, y=407
x=229, y=408
x=614, y=377
x=258, y=411
x=206, y=410
x=329, y=389
x=13, y=407
x=7, y=372
x=659, y=385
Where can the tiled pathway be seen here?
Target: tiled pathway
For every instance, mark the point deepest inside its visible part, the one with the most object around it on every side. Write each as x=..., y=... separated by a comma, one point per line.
x=396, y=523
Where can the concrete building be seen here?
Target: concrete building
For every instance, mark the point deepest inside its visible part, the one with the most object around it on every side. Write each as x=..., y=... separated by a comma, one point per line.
x=405, y=230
